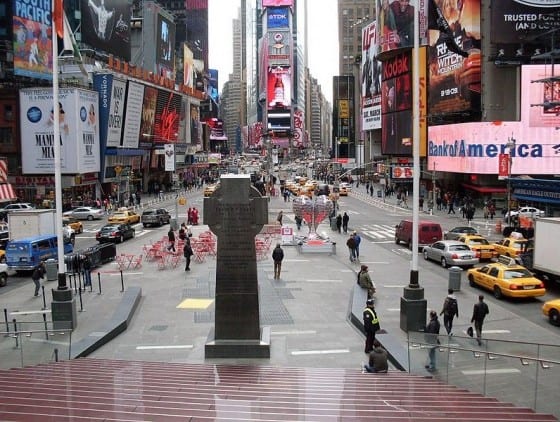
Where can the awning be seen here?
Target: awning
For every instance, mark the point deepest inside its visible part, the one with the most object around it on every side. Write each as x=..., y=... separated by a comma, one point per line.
x=7, y=193
x=485, y=189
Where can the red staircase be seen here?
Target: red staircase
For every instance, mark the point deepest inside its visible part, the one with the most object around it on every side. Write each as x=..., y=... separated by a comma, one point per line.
x=114, y=390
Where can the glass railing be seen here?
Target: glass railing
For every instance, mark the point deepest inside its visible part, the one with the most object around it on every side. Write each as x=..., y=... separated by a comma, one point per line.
x=525, y=374
x=32, y=343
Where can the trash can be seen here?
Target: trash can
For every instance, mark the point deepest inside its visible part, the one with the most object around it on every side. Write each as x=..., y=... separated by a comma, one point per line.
x=173, y=224
x=455, y=278
x=51, y=267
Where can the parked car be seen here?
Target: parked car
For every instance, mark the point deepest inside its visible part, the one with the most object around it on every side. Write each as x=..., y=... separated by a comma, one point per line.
x=74, y=224
x=551, y=309
x=115, y=233
x=428, y=232
x=3, y=274
x=506, y=278
x=85, y=213
x=156, y=216
x=481, y=246
x=18, y=207
x=456, y=232
x=345, y=187
x=124, y=216
x=450, y=252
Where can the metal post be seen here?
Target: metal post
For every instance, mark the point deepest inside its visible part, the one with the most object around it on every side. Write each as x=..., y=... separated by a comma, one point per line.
x=511, y=146
x=433, y=189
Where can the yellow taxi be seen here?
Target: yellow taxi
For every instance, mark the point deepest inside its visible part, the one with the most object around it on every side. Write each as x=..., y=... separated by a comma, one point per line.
x=506, y=278
x=511, y=246
x=483, y=248
x=124, y=216
x=552, y=310
x=209, y=190
x=74, y=224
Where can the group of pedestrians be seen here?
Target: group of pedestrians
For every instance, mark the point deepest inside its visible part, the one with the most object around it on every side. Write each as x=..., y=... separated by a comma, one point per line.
x=353, y=244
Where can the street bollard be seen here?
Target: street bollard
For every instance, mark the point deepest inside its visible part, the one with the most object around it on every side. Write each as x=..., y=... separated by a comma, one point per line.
x=7, y=323
x=122, y=282
x=80, y=296
x=44, y=298
x=15, y=333
x=46, y=326
x=99, y=281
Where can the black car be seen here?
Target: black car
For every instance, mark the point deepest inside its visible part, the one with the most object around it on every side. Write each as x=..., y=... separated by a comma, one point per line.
x=456, y=232
x=115, y=233
x=156, y=216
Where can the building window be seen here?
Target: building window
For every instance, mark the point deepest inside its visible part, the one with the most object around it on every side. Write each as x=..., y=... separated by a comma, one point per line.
x=6, y=136
x=8, y=112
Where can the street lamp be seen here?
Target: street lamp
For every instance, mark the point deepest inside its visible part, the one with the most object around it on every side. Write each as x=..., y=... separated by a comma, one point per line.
x=511, y=146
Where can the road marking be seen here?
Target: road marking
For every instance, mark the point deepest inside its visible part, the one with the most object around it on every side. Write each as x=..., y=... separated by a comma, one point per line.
x=296, y=260
x=393, y=286
x=374, y=262
x=393, y=309
x=292, y=333
x=491, y=371
x=496, y=331
x=322, y=281
x=184, y=346
x=319, y=352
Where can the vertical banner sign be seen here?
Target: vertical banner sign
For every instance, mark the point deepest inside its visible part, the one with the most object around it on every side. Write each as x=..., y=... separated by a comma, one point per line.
x=503, y=166
x=32, y=34
x=134, y=98
x=169, y=157
x=103, y=83
x=371, y=79
x=116, y=113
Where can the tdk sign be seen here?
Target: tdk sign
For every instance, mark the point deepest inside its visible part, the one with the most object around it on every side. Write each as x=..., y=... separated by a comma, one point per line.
x=277, y=17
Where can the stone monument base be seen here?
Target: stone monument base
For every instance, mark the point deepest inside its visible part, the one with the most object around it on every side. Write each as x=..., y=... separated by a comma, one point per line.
x=238, y=348
x=317, y=246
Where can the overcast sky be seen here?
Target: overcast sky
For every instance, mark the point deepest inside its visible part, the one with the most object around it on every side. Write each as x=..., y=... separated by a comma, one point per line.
x=323, y=40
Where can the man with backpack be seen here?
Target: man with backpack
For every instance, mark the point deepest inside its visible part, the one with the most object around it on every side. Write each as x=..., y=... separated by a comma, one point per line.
x=187, y=253
x=450, y=310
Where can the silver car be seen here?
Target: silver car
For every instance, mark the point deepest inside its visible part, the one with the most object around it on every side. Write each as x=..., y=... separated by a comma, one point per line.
x=456, y=232
x=450, y=252
x=85, y=213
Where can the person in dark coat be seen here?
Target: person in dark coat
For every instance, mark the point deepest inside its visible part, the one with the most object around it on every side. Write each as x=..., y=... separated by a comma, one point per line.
x=345, y=220
x=187, y=253
x=277, y=257
x=377, y=359
x=371, y=325
x=431, y=336
x=449, y=311
x=37, y=275
x=480, y=310
x=339, y=223
x=171, y=239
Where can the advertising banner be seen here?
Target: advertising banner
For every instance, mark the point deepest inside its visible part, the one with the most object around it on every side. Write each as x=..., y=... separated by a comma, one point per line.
x=277, y=17
x=103, y=83
x=32, y=29
x=540, y=100
x=299, y=140
x=79, y=131
x=165, y=44
x=517, y=21
x=475, y=148
x=169, y=157
x=167, y=117
x=503, y=166
x=213, y=84
x=396, y=105
x=371, y=79
x=402, y=172
x=195, y=129
x=279, y=88
x=272, y=3
x=133, y=114
x=279, y=48
x=148, y=117
x=106, y=26
x=116, y=113
x=454, y=81
x=188, y=66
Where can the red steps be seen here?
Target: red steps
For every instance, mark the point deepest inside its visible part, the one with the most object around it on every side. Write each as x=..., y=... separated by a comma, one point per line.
x=114, y=390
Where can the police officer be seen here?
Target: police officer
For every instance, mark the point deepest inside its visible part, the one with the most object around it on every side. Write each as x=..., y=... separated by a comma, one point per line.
x=371, y=325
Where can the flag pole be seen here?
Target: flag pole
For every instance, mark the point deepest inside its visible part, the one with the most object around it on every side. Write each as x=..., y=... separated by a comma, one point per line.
x=56, y=144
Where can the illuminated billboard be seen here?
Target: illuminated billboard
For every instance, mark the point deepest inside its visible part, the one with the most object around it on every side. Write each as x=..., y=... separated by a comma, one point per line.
x=279, y=51
x=167, y=117
x=279, y=88
x=277, y=17
x=454, y=81
x=540, y=100
x=32, y=29
x=371, y=79
x=272, y=3
x=165, y=43
x=105, y=25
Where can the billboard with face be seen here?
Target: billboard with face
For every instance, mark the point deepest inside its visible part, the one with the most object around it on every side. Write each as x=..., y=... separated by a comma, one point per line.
x=78, y=125
x=165, y=45
x=454, y=81
x=32, y=29
x=371, y=79
x=106, y=26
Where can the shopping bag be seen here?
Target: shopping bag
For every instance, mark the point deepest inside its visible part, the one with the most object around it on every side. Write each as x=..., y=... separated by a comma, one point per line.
x=470, y=331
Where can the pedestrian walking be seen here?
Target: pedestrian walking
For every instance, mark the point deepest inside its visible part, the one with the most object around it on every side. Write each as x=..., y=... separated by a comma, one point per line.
x=345, y=220
x=298, y=220
x=431, y=333
x=377, y=359
x=171, y=240
x=187, y=253
x=277, y=257
x=351, y=243
x=338, y=223
x=38, y=273
x=451, y=209
x=371, y=190
x=358, y=240
x=449, y=311
x=480, y=310
x=365, y=281
x=371, y=325
x=279, y=217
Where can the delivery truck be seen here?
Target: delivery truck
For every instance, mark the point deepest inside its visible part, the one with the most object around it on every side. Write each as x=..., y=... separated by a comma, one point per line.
x=541, y=256
x=29, y=223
